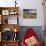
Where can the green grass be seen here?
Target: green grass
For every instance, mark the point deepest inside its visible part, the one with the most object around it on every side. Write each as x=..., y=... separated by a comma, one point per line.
x=29, y=15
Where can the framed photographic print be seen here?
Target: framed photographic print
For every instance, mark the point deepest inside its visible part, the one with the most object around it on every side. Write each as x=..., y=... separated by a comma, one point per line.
x=30, y=13
x=5, y=12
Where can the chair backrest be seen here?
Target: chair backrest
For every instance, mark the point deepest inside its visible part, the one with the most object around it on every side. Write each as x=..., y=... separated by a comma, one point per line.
x=29, y=32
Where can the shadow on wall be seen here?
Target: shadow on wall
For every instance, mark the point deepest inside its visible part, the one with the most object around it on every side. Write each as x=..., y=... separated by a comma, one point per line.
x=37, y=29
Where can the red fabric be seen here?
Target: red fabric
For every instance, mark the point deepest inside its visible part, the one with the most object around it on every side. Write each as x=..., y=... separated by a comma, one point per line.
x=29, y=33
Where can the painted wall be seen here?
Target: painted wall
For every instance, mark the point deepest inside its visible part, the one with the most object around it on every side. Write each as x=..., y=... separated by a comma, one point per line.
x=32, y=4
x=27, y=4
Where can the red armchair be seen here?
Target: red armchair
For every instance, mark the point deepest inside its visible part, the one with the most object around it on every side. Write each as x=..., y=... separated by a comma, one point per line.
x=30, y=34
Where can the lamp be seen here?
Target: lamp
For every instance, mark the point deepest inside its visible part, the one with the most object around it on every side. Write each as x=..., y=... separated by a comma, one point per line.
x=15, y=3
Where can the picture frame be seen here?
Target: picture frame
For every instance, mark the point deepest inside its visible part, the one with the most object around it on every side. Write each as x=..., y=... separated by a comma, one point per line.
x=5, y=12
x=29, y=13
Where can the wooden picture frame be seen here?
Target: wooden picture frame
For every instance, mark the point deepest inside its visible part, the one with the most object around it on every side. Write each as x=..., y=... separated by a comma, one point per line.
x=29, y=13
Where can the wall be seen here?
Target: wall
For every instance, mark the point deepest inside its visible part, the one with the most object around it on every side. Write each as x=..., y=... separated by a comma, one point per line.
x=32, y=4
x=27, y=4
